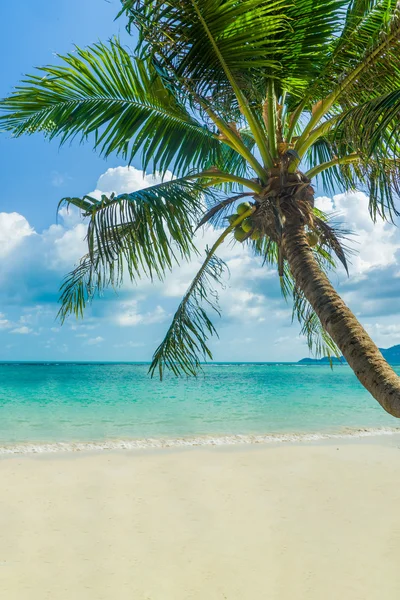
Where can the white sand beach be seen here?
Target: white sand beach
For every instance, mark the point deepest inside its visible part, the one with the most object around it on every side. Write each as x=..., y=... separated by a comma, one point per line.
x=250, y=522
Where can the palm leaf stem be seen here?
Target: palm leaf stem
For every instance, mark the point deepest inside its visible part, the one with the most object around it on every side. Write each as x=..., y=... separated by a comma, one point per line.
x=293, y=120
x=219, y=176
x=232, y=139
x=252, y=121
x=344, y=160
x=271, y=118
x=235, y=140
x=314, y=135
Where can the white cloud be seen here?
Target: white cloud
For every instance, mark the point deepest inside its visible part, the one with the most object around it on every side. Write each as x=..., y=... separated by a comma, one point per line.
x=63, y=247
x=22, y=330
x=58, y=179
x=95, y=341
x=121, y=180
x=70, y=216
x=130, y=345
x=4, y=323
x=244, y=304
x=129, y=315
x=13, y=228
x=88, y=325
x=375, y=244
x=283, y=339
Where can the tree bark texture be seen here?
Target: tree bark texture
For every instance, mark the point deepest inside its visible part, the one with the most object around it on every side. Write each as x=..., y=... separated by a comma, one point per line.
x=357, y=347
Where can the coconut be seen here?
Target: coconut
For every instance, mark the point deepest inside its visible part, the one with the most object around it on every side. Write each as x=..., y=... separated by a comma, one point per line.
x=312, y=238
x=243, y=207
x=255, y=235
x=247, y=225
x=239, y=234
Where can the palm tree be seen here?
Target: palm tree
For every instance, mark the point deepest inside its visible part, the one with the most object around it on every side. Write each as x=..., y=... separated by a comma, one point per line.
x=240, y=99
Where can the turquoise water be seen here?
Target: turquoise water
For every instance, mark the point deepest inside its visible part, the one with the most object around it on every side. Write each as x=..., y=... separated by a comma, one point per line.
x=52, y=403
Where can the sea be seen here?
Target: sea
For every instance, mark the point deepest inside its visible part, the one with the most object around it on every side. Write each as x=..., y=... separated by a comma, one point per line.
x=61, y=407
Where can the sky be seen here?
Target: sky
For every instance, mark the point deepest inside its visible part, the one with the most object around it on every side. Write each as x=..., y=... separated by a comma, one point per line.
x=37, y=249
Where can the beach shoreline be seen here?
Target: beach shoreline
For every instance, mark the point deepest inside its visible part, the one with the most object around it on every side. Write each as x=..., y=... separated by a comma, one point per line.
x=212, y=440
x=279, y=521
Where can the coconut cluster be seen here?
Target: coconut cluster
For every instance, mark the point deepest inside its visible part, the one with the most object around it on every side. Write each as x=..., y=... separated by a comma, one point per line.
x=246, y=229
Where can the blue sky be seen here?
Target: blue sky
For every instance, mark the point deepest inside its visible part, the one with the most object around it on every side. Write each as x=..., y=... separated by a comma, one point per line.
x=35, y=251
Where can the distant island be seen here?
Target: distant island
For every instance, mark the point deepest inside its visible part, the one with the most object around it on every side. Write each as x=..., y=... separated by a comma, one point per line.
x=392, y=355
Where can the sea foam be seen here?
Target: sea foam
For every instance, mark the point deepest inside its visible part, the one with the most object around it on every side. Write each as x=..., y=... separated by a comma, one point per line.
x=187, y=442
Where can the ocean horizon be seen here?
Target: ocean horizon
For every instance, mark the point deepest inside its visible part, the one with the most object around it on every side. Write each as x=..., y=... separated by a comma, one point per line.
x=49, y=406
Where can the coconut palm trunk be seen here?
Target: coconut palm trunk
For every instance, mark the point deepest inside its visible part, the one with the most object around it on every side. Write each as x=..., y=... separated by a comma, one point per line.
x=355, y=344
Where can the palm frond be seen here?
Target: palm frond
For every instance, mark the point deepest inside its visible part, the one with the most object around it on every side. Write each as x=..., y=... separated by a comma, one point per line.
x=319, y=341
x=369, y=124
x=365, y=24
x=121, y=102
x=219, y=209
x=185, y=343
x=143, y=233
x=256, y=39
x=82, y=283
x=324, y=151
x=329, y=238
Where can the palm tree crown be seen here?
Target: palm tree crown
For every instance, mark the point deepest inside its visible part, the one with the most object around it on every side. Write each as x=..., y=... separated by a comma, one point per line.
x=242, y=100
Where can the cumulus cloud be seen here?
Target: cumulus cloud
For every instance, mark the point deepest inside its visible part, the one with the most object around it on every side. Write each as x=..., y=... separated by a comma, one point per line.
x=374, y=282
x=123, y=180
x=130, y=344
x=129, y=315
x=95, y=341
x=13, y=228
x=22, y=330
x=374, y=244
x=4, y=323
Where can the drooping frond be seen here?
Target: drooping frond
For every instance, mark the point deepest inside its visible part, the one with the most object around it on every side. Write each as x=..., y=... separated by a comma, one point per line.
x=185, y=343
x=120, y=102
x=218, y=210
x=319, y=341
x=82, y=283
x=143, y=233
x=329, y=239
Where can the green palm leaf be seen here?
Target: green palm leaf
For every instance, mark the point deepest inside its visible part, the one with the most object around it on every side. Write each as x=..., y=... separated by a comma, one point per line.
x=253, y=37
x=143, y=233
x=364, y=21
x=318, y=340
x=185, y=343
x=122, y=103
